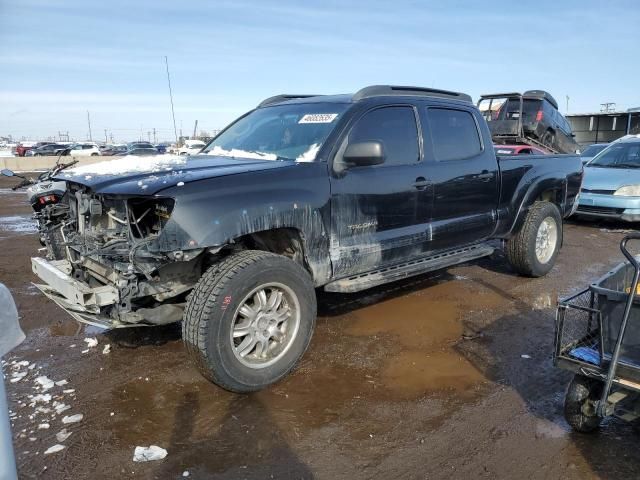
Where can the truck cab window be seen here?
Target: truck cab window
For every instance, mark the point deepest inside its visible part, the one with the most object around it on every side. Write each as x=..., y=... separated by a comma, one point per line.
x=395, y=128
x=454, y=134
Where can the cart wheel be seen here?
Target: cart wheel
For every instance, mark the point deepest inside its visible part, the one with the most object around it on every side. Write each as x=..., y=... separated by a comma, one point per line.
x=580, y=404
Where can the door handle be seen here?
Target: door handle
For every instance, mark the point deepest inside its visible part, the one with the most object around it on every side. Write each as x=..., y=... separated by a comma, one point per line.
x=421, y=183
x=485, y=176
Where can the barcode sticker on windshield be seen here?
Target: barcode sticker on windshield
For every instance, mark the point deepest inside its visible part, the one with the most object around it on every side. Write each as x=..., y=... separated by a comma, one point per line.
x=318, y=118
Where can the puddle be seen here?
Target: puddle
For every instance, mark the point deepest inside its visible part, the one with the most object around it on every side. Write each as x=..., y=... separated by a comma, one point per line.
x=544, y=301
x=20, y=224
x=414, y=373
x=414, y=322
x=424, y=318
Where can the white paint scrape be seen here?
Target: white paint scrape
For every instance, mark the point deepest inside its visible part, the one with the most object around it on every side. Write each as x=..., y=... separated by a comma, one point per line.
x=130, y=163
x=148, y=454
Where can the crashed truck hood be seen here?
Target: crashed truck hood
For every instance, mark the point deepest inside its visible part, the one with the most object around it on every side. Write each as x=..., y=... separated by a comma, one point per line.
x=149, y=175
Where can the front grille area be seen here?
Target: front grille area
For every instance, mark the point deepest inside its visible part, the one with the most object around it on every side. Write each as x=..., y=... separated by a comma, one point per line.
x=600, y=210
x=599, y=192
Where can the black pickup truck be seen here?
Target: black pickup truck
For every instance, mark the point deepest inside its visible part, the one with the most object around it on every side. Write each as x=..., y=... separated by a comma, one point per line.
x=341, y=192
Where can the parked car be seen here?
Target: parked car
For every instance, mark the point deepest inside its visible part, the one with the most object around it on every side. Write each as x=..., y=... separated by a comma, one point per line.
x=161, y=147
x=24, y=147
x=131, y=145
x=591, y=151
x=531, y=117
x=142, y=151
x=84, y=150
x=518, y=150
x=611, y=186
x=342, y=192
x=114, y=150
x=191, y=147
x=47, y=149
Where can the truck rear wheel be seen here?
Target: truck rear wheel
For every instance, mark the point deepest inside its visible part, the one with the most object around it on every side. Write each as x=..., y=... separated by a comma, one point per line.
x=532, y=251
x=249, y=320
x=579, y=404
x=548, y=139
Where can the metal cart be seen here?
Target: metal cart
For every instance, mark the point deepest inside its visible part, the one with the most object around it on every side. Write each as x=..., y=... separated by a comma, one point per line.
x=598, y=338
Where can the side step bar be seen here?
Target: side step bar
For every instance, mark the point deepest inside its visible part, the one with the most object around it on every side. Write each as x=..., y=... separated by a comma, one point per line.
x=392, y=273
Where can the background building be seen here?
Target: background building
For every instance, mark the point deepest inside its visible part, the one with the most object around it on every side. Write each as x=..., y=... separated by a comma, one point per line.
x=604, y=127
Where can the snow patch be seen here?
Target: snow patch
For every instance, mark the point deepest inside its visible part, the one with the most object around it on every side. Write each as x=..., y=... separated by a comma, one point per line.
x=236, y=153
x=55, y=449
x=148, y=454
x=310, y=154
x=72, y=418
x=18, y=224
x=127, y=164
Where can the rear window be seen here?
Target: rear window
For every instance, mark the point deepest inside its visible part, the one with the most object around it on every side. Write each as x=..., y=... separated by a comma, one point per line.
x=454, y=134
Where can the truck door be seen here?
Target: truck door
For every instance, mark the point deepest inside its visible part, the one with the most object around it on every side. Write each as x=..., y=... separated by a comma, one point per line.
x=373, y=208
x=464, y=172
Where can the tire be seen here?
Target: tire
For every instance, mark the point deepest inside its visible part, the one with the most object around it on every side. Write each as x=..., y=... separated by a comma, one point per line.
x=548, y=139
x=521, y=248
x=213, y=310
x=95, y=154
x=581, y=395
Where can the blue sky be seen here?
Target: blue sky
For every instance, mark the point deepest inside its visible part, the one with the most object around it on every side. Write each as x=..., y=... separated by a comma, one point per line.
x=60, y=58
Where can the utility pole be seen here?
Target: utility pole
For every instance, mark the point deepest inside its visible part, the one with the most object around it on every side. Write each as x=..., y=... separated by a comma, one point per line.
x=105, y=136
x=195, y=129
x=89, y=123
x=173, y=114
x=149, y=136
x=608, y=107
x=155, y=139
x=111, y=135
x=567, y=111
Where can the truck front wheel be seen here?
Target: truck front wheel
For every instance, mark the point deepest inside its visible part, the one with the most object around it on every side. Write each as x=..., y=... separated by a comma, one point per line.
x=249, y=320
x=532, y=251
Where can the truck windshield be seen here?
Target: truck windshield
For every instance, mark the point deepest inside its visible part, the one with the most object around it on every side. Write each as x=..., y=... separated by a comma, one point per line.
x=282, y=132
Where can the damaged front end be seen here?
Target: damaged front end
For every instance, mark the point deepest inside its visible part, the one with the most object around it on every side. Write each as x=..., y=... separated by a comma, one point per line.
x=110, y=269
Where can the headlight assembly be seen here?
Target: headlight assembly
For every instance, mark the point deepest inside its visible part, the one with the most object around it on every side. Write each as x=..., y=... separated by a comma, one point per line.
x=628, y=191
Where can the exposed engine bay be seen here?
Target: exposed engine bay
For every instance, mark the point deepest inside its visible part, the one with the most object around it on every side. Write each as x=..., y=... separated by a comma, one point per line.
x=107, y=247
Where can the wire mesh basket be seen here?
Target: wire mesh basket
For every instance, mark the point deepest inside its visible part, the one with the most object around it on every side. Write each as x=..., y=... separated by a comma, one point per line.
x=578, y=328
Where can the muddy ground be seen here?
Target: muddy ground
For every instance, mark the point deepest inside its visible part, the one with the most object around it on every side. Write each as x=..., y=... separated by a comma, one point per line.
x=420, y=379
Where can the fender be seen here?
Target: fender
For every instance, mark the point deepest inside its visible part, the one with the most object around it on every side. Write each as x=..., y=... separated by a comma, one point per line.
x=530, y=187
x=215, y=212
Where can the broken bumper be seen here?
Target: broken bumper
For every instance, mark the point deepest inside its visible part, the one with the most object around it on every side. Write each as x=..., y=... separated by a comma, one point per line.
x=76, y=298
x=85, y=303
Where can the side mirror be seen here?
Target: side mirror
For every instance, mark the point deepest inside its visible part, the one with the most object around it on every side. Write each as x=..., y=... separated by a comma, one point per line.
x=364, y=154
x=6, y=172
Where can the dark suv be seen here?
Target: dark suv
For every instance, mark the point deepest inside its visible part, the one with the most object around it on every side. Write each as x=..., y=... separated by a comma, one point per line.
x=531, y=117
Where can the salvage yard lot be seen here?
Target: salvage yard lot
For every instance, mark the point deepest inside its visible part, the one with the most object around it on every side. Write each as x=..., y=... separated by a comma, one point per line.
x=447, y=375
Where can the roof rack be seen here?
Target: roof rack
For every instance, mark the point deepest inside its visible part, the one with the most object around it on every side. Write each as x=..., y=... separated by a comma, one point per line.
x=537, y=94
x=395, y=90
x=283, y=98
x=500, y=95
